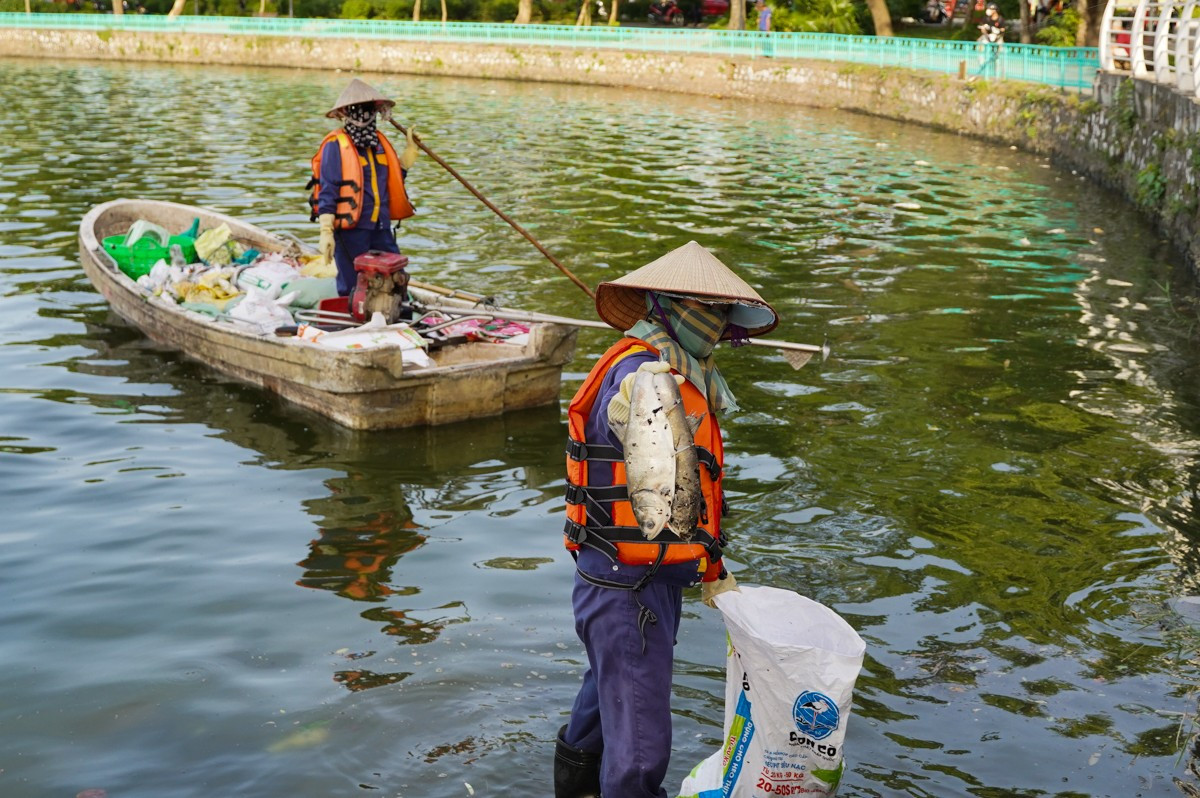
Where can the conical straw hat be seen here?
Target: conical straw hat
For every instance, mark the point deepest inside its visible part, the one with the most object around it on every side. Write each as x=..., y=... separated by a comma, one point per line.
x=690, y=270
x=358, y=92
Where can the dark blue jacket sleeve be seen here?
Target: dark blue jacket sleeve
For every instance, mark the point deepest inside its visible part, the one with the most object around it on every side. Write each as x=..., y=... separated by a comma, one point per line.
x=598, y=430
x=331, y=175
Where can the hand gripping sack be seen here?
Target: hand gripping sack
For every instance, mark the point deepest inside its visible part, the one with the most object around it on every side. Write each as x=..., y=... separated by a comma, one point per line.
x=789, y=678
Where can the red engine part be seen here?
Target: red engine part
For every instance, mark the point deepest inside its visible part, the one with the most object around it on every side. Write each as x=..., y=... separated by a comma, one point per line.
x=374, y=261
x=382, y=285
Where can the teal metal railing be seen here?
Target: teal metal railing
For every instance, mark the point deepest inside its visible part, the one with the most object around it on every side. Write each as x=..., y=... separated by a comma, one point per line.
x=1065, y=67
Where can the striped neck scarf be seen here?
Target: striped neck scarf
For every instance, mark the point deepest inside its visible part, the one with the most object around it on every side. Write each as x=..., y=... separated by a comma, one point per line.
x=685, y=338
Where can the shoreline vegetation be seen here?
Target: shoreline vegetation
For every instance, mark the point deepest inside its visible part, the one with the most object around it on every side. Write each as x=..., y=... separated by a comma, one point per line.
x=1061, y=25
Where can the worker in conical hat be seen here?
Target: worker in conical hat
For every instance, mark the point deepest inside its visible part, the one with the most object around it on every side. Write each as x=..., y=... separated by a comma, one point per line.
x=358, y=187
x=673, y=312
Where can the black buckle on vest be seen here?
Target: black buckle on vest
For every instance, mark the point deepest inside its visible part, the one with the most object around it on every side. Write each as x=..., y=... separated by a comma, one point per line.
x=311, y=182
x=576, y=533
x=709, y=460
x=576, y=450
x=580, y=535
x=712, y=547
x=575, y=494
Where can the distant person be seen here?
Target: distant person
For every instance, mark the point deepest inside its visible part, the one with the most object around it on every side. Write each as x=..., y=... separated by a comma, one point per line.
x=358, y=182
x=1042, y=12
x=993, y=27
x=764, y=27
x=764, y=16
x=1122, y=39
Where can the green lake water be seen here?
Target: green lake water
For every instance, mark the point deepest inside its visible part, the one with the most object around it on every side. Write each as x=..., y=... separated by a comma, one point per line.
x=209, y=592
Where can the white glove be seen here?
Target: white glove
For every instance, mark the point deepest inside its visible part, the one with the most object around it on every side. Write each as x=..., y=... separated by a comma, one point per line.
x=325, y=245
x=710, y=590
x=411, y=150
x=618, y=406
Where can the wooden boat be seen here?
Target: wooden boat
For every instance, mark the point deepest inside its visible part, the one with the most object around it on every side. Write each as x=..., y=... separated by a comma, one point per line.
x=361, y=389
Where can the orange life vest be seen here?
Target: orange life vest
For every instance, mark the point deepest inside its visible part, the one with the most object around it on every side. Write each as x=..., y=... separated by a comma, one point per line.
x=350, y=187
x=616, y=532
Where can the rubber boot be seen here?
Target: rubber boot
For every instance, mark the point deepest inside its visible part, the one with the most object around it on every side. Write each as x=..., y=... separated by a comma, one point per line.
x=576, y=772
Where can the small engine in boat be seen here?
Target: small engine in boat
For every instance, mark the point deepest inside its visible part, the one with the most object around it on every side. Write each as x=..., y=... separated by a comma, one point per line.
x=382, y=285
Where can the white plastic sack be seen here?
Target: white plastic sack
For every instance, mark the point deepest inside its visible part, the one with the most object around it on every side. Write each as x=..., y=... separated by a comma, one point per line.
x=372, y=335
x=269, y=275
x=789, y=679
x=261, y=313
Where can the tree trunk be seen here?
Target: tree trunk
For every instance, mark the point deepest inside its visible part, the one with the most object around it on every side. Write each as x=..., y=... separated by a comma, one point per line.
x=262, y=8
x=1026, y=23
x=612, y=14
x=28, y=10
x=417, y=11
x=1095, y=19
x=118, y=8
x=176, y=8
x=585, y=13
x=882, y=17
x=737, y=15
x=444, y=15
x=1090, y=17
x=524, y=12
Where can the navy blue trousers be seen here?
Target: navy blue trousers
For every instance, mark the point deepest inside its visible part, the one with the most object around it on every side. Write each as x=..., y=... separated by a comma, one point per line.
x=349, y=244
x=623, y=709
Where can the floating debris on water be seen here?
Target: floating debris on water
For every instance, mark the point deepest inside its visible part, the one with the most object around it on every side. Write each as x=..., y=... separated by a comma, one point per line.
x=908, y=206
x=306, y=737
x=515, y=563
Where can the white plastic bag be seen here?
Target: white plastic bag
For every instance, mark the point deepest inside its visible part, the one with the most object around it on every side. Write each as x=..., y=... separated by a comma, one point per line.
x=268, y=274
x=262, y=314
x=789, y=679
x=374, y=334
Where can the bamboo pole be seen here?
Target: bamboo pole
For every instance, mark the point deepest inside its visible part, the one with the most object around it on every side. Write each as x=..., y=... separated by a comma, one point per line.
x=496, y=210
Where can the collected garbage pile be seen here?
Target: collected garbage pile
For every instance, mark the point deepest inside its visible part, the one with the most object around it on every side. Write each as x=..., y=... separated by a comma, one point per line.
x=212, y=274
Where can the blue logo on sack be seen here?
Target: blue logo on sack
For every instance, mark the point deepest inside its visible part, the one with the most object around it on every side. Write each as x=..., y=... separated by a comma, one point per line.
x=816, y=714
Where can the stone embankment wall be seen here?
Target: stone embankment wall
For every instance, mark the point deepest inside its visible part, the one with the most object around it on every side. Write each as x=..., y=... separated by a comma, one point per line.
x=1138, y=138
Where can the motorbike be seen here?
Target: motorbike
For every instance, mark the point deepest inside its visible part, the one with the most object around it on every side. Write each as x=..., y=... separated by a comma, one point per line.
x=666, y=12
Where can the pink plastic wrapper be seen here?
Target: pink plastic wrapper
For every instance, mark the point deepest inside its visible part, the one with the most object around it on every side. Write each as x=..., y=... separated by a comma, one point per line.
x=497, y=329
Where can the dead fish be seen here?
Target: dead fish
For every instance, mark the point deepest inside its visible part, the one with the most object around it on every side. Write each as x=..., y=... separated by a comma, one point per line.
x=649, y=451
x=687, y=498
x=662, y=467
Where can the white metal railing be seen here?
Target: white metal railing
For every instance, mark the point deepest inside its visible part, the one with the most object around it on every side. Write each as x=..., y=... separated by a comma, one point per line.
x=1155, y=40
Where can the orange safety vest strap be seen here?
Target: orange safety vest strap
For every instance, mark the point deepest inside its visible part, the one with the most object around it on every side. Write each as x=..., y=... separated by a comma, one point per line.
x=592, y=495
x=350, y=187
x=605, y=539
